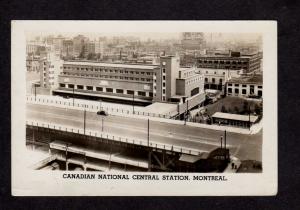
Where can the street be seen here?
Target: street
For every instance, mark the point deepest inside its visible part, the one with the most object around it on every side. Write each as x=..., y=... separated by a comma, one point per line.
x=242, y=146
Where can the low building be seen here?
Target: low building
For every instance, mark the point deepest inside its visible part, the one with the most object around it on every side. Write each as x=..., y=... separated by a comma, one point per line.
x=165, y=82
x=237, y=120
x=232, y=61
x=216, y=78
x=246, y=86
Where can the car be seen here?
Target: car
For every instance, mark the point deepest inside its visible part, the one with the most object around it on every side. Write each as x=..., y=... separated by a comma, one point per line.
x=102, y=112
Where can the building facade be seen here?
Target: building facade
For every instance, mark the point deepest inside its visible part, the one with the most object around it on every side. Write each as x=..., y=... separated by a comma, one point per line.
x=234, y=61
x=246, y=86
x=50, y=68
x=157, y=83
x=106, y=79
x=217, y=78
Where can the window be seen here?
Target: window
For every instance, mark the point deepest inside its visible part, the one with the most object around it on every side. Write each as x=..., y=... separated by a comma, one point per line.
x=220, y=81
x=109, y=90
x=141, y=93
x=164, y=70
x=89, y=87
x=131, y=72
x=164, y=98
x=150, y=94
x=164, y=84
x=142, y=72
x=148, y=73
x=164, y=77
x=236, y=85
x=120, y=91
x=99, y=89
x=71, y=86
x=244, y=85
x=229, y=84
x=137, y=79
x=213, y=80
x=130, y=92
x=229, y=90
x=206, y=79
x=143, y=79
x=80, y=87
x=259, y=87
x=136, y=72
x=62, y=85
x=244, y=91
x=215, y=72
x=164, y=91
x=236, y=91
x=223, y=72
x=259, y=93
x=148, y=80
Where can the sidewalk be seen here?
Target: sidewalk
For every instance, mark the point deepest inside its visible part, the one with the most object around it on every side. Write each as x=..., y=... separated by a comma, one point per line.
x=235, y=162
x=126, y=111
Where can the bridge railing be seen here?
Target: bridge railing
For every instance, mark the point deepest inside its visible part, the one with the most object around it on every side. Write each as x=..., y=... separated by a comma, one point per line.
x=68, y=103
x=113, y=137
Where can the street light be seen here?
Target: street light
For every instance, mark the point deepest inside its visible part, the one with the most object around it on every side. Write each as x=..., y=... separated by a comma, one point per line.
x=133, y=102
x=221, y=141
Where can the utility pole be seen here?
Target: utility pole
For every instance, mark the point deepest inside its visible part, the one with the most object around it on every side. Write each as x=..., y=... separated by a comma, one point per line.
x=73, y=93
x=133, y=102
x=34, y=92
x=225, y=139
x=102, y=123
x=148, y=137
x=221, y=141
x=249, y=116
x=84, y=117
x=186, y=112
x=67, y=144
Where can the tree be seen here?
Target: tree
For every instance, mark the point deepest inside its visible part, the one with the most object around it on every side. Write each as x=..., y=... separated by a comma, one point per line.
x=236, y=110
x=223, y=109
x=257, y=109
x=246, y=107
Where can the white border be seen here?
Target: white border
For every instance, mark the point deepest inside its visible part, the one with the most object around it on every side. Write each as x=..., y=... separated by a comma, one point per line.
x=29, y=182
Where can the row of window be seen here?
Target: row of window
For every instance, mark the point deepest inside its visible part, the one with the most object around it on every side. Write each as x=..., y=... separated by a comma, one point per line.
x=244, y=91
x=108, y=70
x=110, y=77
x=237, y=85
x=223, y=62
x=108, y=90
x=213, y=80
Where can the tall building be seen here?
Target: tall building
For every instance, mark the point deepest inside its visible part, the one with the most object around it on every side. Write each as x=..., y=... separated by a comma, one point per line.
x=50, y=68
x=68, y=48
x=234, y=61
x=192, y=40
x=58, y=45
x=79, y=45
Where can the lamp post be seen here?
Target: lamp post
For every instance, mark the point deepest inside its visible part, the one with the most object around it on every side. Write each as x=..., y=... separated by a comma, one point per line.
x=84, y=119
x=221, y=141
x=73, y=93
x=102, y=118
x=34, y=92
x=133, y=102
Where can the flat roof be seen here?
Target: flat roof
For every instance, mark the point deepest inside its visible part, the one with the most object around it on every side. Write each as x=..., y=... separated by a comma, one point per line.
x=114, y=65
x=235, y=117
x=253, y=79
x=160, y=108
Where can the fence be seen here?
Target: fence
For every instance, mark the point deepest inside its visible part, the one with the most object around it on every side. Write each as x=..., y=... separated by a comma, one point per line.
x=115, y=138
x=91, y=107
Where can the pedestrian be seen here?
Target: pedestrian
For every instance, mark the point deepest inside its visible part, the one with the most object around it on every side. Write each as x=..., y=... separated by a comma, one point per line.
x=232, y=165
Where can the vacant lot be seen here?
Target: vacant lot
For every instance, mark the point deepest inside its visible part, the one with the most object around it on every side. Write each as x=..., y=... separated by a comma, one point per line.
x=233, y=105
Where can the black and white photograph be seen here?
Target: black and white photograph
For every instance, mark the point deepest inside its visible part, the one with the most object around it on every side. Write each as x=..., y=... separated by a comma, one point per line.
x=145, y=102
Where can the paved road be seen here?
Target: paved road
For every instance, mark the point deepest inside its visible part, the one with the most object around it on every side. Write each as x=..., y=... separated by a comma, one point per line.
x=241, y=145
